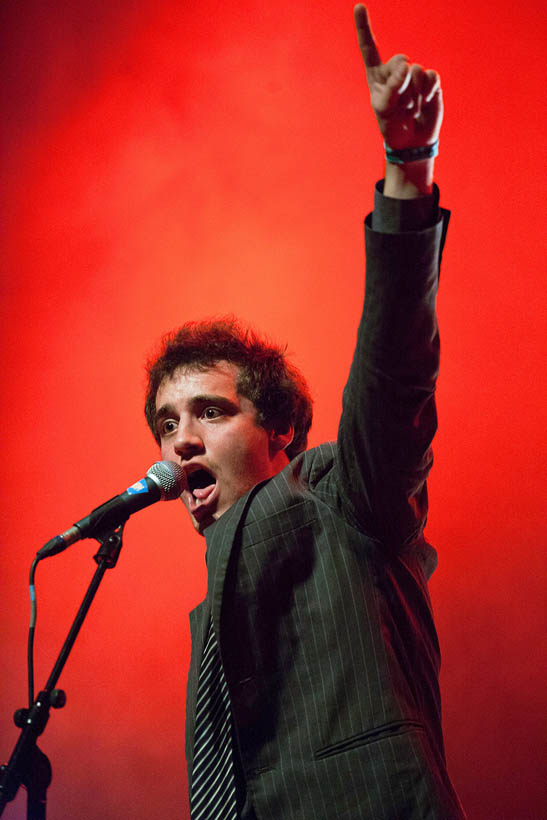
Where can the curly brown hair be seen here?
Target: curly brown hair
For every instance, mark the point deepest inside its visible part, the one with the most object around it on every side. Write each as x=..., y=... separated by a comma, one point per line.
x=275, y=387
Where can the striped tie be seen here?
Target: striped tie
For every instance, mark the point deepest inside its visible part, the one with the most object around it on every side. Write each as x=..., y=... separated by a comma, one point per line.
x=213, y=795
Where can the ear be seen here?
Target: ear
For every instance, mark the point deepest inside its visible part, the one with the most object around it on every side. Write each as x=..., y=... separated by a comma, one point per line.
x=280, y=441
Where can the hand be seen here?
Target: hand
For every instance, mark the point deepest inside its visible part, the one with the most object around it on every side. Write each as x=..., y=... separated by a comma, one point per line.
x=406, y=100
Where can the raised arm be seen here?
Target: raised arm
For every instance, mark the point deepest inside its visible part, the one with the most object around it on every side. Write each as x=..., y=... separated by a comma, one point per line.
x=407, y=102
x=388, y=418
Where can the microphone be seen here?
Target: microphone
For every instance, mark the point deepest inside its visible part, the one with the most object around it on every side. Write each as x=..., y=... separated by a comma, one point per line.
x=164, y=481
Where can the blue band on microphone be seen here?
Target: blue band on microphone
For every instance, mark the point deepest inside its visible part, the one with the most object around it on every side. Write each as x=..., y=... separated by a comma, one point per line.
x=137, y=488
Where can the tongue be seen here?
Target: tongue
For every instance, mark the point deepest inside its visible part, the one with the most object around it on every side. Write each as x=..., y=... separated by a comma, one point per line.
x=204, y=492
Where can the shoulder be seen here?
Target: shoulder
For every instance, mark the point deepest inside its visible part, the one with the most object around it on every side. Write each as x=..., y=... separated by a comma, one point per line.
x=310, y=468
x=310, y=477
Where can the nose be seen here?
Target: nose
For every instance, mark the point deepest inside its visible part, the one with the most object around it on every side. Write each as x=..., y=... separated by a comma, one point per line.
x=187, y=442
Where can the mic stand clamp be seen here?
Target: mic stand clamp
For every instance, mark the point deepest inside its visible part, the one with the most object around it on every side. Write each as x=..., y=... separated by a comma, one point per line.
x=110, y=549
x=28, y=765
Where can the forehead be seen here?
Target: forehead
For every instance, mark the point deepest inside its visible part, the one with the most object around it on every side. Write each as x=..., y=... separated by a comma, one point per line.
x=187, y=382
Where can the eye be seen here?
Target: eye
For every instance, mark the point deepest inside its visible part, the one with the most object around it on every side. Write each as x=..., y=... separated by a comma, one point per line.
x=211, y=413
x=167, y=427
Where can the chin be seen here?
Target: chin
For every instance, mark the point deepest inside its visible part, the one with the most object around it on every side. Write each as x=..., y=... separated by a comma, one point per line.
x=201, y=524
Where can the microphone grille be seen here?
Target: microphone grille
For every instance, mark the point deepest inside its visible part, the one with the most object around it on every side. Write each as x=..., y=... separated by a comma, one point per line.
x=170, y=477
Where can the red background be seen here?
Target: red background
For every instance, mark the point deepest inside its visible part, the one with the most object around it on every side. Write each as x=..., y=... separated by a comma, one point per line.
x=166, y=161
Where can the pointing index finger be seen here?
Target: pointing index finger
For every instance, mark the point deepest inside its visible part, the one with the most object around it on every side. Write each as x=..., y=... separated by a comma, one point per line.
x=365, y=37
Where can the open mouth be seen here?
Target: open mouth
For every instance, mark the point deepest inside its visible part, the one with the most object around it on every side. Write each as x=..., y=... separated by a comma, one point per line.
x=199, y=480
x=201, y=497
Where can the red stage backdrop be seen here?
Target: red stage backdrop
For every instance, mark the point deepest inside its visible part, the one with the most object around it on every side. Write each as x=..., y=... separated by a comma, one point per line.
x=166, y=161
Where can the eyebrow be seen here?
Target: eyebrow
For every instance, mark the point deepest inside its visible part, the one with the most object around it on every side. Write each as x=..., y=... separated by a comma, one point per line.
x=165, y=410
x=197, y=401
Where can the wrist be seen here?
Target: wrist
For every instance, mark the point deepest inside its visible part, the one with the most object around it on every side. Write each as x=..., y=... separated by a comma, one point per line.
x=410, y=179
x=409, y=171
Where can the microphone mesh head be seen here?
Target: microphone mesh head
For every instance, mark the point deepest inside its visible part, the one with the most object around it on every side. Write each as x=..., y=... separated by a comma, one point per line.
x=170, y=477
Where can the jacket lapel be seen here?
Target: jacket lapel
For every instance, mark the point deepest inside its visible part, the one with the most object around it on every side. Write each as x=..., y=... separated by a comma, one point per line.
x=199, y=618
x=219, y=538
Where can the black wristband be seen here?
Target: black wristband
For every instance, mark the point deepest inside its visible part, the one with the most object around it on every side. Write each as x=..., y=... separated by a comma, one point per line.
x=411, y=154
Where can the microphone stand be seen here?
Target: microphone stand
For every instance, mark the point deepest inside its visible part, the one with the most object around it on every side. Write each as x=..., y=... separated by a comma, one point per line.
x=28, y=765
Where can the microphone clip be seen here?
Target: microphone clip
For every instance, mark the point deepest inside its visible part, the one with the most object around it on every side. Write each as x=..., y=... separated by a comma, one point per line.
x=111, y=545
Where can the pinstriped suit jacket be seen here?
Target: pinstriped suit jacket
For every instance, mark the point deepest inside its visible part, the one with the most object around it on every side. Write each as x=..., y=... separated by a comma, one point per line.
x=317, y=584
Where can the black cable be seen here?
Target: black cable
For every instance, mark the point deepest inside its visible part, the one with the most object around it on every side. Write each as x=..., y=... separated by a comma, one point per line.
x=32, y=625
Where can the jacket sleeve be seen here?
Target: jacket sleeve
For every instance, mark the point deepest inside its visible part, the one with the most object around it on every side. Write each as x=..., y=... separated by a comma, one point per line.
x=388, y=417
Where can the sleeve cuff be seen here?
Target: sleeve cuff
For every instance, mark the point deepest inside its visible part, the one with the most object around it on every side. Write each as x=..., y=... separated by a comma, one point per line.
x=399, y=215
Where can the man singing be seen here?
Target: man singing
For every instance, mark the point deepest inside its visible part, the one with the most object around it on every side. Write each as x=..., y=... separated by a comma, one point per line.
x=313, y=685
